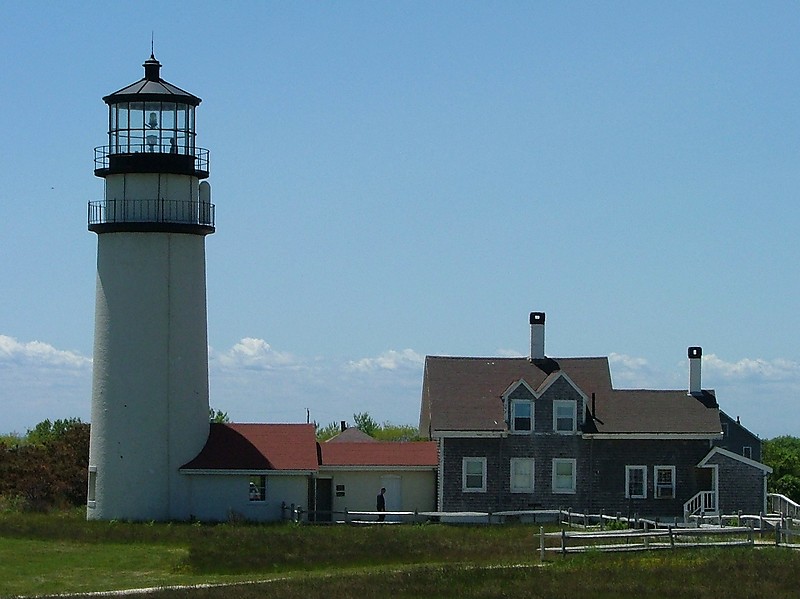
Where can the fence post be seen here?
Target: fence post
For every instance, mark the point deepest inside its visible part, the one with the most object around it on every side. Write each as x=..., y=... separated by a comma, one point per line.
x=569, y=516
x=646, y=539
x=541, y=543
x=750, y=532
x=777, y=533
x=761, y=524
x=671, y=537
x=602, y=521
x=489, y=517
x=563, y=542
x=346, y=516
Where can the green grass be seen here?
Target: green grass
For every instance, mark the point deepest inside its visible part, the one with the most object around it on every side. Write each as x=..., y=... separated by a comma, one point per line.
x=62, y=553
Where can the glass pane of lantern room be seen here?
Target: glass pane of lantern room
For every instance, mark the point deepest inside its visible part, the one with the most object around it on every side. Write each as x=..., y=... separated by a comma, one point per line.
x=152, y=125
x=182, y=125
x=123, y=123
x=191, y=128
x=136, y=115
x=168, y=138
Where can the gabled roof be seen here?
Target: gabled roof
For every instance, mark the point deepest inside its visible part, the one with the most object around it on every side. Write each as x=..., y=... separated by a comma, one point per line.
x=352, y=435
x=465, y=395
x=719, y=451
x=380, y=453
x=258, y=447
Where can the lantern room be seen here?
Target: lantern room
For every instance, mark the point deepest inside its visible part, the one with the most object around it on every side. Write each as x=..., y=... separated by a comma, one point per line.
x=151, y=128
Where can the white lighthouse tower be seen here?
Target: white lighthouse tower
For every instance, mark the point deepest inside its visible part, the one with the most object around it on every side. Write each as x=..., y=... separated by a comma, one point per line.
x=150, y=383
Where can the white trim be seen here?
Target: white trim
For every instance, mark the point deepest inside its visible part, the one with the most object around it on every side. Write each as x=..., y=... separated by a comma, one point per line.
x=372, y=468
x=528, y=489
x=574, y=488
x=469, y=434
x=671, y=469
x=571, y=403
x=686, y=436
x=734, y=456
x=747, y=449
x=194, y=471
x=440, y=478
x=511, y=417
x=514, y=386
x=628, y=469
x=464, y=488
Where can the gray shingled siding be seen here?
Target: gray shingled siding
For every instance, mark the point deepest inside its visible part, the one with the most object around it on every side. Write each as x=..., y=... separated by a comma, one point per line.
x=600, y=466
x=600, y=481
x=609, y=459
x=736, y=438
x=741, y=486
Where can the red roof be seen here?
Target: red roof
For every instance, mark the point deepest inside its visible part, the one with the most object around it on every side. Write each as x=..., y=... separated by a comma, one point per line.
x=258, y=447
x=380, y=453
x=352, y=435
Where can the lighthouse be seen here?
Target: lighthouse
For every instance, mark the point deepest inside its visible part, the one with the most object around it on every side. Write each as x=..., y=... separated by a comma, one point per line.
x=150, y=402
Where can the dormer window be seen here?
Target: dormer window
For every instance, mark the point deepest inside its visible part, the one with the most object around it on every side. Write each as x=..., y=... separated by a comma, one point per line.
x=521, y=416
x=565, y=416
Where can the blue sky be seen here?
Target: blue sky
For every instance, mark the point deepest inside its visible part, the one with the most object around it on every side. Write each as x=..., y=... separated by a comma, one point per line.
x=400, y=179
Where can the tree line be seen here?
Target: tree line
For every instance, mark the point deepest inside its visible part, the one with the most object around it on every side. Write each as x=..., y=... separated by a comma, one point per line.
x=47, y=468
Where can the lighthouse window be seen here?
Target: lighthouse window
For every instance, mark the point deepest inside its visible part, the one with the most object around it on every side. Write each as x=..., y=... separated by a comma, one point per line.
x=258, y=488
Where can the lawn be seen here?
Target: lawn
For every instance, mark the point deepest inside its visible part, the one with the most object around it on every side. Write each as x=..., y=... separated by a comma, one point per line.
x=62, y=553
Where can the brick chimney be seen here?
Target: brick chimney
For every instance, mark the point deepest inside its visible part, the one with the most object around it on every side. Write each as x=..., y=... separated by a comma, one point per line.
x=695, y=358
x=537, y=335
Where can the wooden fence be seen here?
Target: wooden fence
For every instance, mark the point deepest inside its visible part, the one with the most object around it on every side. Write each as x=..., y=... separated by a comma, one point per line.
x=647, y=539
x=611, y=532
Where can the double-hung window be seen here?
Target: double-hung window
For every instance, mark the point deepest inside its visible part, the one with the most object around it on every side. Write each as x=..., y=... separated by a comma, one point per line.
x=521, y=416
x=564, y=476
x=664, y=482
x=636, y=482
x=522, y=475
x=473, y=475
x=565, y=416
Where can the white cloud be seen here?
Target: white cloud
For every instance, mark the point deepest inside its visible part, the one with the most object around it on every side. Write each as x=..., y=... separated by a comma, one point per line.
x=254, y=382
x=254, y=354
x=38, y=354
x=749, y=369
x=389, y=360
x=510, y=353
x=630, y=372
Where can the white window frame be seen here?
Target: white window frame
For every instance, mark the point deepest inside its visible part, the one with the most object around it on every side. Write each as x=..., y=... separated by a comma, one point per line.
x=628, y=470
x=512, y=416
x=657, y=487
x=573, y=485
x=747, y=451
x=573, y=406
x=521, y=488
x=464, y=461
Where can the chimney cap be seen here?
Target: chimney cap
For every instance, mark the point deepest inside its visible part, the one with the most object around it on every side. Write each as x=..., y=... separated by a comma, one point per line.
x=695, y=352
x=537, y=317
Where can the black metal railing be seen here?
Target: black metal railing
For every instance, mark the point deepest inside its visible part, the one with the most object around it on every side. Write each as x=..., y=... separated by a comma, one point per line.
x=187, y=212
x=104, y=155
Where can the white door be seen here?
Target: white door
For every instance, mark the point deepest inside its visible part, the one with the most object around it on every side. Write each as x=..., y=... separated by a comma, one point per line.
x=393, y=496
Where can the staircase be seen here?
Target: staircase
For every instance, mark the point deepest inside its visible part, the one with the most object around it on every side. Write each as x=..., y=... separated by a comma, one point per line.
x=703, y=503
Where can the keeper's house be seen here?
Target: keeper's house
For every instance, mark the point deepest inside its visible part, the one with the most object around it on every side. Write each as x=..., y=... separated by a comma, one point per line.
x=548, y=433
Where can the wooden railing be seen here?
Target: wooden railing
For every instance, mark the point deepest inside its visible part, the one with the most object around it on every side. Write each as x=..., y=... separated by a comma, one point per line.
x=780, y=504
x=702, y=502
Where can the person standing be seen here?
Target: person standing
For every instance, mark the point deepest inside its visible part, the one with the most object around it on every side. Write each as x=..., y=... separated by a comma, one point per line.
x=381, y=504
